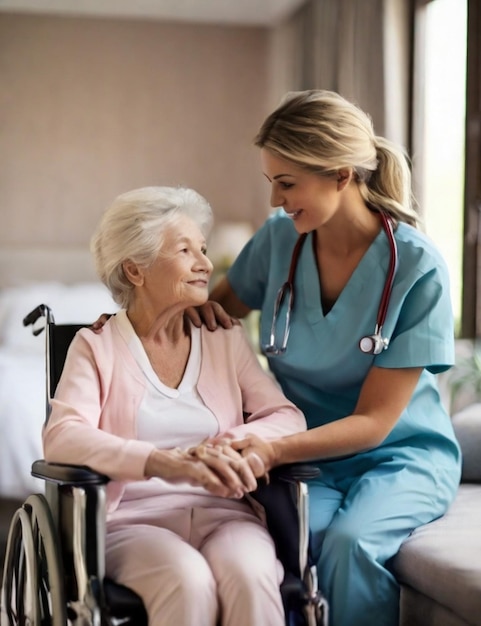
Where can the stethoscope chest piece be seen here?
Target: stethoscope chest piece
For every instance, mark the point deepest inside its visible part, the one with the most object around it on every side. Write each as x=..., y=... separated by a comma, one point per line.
x=374, y=344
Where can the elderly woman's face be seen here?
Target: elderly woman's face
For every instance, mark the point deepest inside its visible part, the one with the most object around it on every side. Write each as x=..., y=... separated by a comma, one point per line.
x=181, y=272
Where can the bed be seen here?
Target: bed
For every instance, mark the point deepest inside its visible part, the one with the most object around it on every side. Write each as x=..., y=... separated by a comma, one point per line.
x=64, y=280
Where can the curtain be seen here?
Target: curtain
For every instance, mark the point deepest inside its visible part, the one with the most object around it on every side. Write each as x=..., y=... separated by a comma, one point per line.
x=359, y=48
x=471, y=320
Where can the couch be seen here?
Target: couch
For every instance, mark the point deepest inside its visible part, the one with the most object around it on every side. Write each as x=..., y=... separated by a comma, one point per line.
x=439, y=565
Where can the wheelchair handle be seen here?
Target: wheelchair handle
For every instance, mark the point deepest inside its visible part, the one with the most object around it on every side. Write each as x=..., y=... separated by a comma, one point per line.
x=42, y=310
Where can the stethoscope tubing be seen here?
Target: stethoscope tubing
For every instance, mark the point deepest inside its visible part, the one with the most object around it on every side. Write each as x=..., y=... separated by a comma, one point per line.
x=393, y=264
x=288, y=288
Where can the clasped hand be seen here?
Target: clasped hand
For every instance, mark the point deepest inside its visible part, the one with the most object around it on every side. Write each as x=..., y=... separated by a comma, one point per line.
x=214, y=464
x=236, y=472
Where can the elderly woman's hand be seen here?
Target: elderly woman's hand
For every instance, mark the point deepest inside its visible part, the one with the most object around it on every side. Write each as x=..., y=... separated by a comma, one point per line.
x=213, y=471
x=248, y=467
x=212, y=314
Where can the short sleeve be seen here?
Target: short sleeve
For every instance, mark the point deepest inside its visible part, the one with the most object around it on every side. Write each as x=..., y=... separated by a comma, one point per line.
x=424, y=332
x=248, y=274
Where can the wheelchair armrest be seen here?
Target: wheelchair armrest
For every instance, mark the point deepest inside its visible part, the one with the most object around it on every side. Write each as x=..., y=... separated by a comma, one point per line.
x=77, y=500
x=294, y=472
x=63, y=474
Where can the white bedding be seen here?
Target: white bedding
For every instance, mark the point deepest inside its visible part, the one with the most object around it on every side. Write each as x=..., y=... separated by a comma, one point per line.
x=22, y=411
x=22, y=372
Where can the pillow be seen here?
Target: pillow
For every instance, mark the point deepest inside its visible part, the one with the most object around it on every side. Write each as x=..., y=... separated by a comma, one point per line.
x=71, y=304
x=467, y=427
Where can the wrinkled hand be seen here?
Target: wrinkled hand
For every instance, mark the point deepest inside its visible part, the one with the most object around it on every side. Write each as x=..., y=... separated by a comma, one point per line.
x=212, y=314
x=255, y=446
x=213, y=471
x=247, y=468
x=100, y=322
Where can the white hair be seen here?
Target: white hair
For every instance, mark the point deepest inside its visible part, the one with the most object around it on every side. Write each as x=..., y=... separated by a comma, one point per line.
x=132, y=228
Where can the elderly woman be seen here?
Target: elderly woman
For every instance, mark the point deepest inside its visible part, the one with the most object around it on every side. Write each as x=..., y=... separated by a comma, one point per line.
x=135, y=397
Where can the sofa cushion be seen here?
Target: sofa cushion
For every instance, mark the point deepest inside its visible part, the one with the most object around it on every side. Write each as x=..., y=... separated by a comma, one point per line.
x=418, y=610
x=467, y=427
x=442, y=559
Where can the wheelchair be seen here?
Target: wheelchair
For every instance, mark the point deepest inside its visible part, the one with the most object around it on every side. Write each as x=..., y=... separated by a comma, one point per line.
x=54, y=569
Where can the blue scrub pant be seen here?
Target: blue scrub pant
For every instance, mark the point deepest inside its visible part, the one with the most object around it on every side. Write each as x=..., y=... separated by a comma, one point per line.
x=361, y=510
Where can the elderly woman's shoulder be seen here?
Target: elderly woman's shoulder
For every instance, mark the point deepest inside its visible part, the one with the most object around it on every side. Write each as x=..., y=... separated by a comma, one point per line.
x=100, y=337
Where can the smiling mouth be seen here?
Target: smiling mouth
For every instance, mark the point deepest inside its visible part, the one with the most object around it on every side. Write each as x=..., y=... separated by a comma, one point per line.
x=295, y=214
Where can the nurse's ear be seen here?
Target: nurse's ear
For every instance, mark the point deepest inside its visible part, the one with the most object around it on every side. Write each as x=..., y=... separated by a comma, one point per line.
x=133, y=273
x=344, y=176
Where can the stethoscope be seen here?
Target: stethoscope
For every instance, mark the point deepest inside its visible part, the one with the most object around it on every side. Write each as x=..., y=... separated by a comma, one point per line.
x=371, y=344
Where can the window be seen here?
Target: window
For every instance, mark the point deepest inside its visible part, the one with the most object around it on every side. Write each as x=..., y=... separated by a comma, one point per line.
x=439, y=147
x=471, y=314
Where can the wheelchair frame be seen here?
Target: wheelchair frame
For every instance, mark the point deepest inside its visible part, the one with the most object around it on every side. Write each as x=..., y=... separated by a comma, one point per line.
x=54, y=570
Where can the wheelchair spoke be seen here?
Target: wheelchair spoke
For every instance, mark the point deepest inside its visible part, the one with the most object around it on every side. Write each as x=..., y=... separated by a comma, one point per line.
x=50, y=594
x=32, y=588
x=19, y=593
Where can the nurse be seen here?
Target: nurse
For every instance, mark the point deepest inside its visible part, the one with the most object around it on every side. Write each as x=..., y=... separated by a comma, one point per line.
x=377, y=428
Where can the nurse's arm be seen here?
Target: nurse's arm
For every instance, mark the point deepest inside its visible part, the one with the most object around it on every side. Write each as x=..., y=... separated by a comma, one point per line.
x=227, y=298
x=384, y=396
x=223, y=308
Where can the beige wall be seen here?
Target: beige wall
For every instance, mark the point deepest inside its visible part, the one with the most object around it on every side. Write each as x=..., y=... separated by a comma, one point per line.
x=90, y=108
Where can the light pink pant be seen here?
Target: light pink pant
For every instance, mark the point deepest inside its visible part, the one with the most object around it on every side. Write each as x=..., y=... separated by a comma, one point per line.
x=197, y=566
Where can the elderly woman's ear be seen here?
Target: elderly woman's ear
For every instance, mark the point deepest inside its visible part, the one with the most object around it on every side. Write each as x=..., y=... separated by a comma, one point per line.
x=133, y=273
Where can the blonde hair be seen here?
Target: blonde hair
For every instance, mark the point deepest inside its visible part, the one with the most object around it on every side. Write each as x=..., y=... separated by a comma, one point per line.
x=132, y=228
x=323, y=132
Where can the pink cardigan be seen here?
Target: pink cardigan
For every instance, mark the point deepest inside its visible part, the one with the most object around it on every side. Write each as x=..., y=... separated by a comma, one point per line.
x=93, y=418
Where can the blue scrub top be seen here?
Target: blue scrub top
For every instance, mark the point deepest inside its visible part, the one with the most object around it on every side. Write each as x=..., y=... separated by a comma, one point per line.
x=323, y=369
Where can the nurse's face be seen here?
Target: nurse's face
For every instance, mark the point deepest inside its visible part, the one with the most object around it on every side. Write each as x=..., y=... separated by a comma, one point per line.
x=309, y=199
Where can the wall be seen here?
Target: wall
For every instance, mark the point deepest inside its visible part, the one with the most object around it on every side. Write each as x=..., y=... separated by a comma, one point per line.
x=90, y=108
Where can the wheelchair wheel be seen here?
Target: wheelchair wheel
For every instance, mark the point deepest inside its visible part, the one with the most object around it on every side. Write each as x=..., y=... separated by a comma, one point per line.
x=32, y=588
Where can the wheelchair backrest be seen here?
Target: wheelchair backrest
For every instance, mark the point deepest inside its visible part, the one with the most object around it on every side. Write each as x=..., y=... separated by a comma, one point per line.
x=57, y=341
x=59, y=338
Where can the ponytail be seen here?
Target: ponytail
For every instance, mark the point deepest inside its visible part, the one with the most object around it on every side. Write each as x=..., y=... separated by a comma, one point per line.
x=388, y=188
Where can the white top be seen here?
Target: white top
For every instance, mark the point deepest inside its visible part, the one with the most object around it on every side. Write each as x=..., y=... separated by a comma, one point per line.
x=168, y=417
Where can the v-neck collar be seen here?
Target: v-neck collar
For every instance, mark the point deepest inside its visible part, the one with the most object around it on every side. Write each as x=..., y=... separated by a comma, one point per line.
x=138, y=352
x=311, y=284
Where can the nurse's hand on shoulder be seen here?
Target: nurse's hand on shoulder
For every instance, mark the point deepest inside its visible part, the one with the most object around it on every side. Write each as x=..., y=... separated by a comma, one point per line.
x=100, y=322
x=212, y=315
x=223, y=309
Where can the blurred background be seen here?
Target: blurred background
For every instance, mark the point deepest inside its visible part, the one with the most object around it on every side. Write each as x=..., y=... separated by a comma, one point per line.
x=102, y=96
